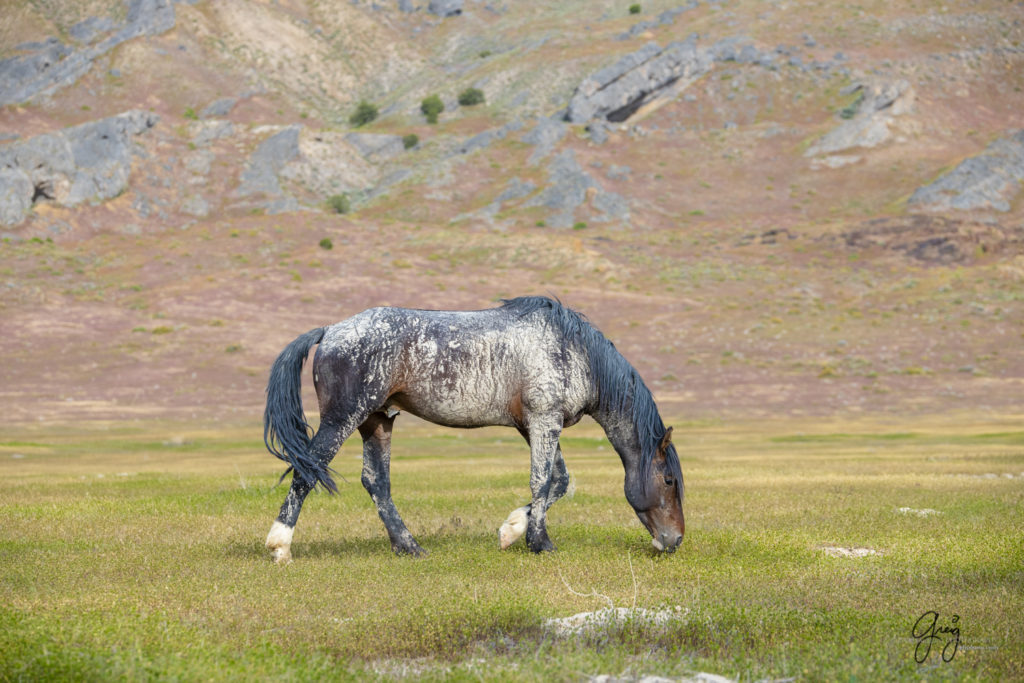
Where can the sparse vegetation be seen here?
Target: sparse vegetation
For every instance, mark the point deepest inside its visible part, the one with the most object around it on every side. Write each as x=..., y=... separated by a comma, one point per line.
x=458, y=609
x=326, y=242
x=432, y=106
x=191, y=114
x=635, y=8
x=411, y=140
x=471, y=97
x=339, y=203
x=849, y=111
x=365, y=113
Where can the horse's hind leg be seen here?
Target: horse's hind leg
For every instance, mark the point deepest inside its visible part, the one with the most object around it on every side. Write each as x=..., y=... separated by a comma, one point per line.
x=324, y=445
x=376, y=433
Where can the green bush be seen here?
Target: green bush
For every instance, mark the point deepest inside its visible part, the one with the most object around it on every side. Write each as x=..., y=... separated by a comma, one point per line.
x=326, y=243
x=471, y=96
x=634, y=8
x=339, y=203
x=191, y=114
x=364, y=113
x=432, y=106
x=411, y=140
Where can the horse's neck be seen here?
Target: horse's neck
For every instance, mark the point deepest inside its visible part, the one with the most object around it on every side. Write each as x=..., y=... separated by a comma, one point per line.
x=621, y=432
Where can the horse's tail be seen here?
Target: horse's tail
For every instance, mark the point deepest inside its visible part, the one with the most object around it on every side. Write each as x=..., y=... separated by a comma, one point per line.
x=285, y=430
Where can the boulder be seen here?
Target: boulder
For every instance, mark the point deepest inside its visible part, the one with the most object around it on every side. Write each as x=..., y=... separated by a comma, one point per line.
x=988, y=181
x=617, y=91
x=89, y=162
x=16, y=194
x=260, y=174
x=146, y=18
x=869, y=117
x=445, y=8
x=218, y=108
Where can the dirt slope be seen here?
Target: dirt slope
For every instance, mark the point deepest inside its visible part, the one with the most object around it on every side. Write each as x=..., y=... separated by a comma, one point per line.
x=744, y=237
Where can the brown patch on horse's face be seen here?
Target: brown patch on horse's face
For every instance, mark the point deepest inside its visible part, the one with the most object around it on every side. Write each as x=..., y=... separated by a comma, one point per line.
x=664, y=516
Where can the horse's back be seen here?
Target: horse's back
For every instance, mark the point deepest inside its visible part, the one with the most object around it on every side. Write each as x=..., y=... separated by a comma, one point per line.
x=459, y=368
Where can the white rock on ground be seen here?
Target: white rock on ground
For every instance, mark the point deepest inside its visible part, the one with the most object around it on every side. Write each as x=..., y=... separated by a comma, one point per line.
x=613, y=616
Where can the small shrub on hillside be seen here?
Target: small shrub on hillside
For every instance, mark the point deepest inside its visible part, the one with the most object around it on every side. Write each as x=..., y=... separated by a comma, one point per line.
x=471, y=96
x=326, y=243
x=579, y=226
x=364, y=113
x=411, y=140
x=339, y=203
x=634, y=8
x=432, y=106
x=849, y=111
x=191, y=114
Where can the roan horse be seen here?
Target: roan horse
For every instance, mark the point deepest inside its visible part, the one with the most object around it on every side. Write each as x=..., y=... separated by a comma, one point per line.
x=531, y=364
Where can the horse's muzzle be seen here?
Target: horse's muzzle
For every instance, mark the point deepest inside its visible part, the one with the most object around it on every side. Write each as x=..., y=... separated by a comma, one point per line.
x=667, y=542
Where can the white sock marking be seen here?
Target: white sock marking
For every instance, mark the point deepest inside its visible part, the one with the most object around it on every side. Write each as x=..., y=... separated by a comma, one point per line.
x=513, y=528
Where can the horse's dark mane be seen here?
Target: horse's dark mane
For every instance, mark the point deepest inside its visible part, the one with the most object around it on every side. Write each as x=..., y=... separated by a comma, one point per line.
x=619, y=386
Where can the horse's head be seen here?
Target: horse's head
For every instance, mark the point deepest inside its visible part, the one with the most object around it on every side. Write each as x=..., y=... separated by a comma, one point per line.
x=658, y=502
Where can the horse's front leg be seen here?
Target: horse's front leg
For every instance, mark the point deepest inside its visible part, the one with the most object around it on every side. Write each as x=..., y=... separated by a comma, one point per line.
x=544, y=434
x=376, y=433
x=515, y=525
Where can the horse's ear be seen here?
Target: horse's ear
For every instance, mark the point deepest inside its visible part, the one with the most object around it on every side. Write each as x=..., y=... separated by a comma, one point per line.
x=666, y=440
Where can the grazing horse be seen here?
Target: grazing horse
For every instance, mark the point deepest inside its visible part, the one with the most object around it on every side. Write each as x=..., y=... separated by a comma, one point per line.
x=531, y=364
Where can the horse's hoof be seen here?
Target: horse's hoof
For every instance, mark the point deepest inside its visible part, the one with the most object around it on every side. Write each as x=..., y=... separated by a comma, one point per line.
x=281, y=556
x=513, y=528
x=413, y=549
x=279, y=542
x=542, y=544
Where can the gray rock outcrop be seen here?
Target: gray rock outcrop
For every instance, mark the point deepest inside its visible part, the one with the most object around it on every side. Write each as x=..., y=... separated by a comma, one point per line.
x=568, y=188
x=484, y=139
x=544, y=136
x=666, y=18
x=260, y=174
x=988, y=181
x=445, y=8
x=89, y=162
x=218, y=108
x=376, y=146
x=869, y=117
x=617, y=91
x=51, y=65
x=88, y=30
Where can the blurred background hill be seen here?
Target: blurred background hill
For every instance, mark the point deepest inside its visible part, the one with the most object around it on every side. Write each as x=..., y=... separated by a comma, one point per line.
x=771, y=207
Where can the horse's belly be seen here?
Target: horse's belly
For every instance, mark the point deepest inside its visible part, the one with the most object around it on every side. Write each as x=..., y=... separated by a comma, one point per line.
x=453, y=409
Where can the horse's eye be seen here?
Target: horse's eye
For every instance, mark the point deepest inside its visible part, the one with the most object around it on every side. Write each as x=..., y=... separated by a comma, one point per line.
x=669, y=481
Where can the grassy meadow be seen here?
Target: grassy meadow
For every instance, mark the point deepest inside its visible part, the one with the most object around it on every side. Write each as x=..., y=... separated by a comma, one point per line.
x=136, y=551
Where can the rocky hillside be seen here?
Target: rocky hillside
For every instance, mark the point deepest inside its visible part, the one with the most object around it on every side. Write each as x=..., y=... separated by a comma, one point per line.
x=781, y=205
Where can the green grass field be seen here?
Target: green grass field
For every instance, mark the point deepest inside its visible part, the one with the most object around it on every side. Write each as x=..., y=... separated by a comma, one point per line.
x=136, y=552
